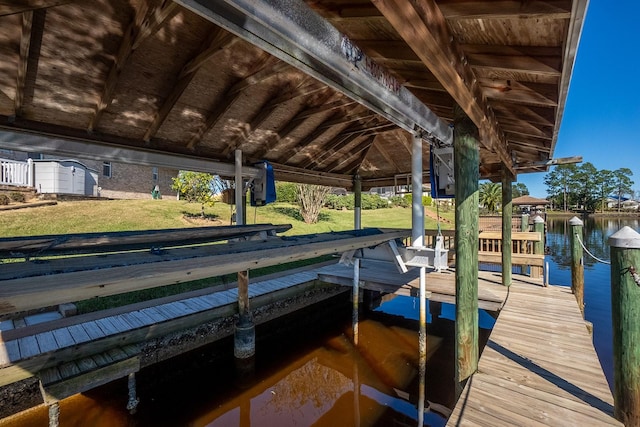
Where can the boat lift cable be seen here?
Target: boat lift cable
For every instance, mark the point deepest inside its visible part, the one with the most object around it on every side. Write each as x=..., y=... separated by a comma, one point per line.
x=592, y=255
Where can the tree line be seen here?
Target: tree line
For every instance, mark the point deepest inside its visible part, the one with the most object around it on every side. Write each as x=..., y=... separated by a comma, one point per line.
x=587, y=188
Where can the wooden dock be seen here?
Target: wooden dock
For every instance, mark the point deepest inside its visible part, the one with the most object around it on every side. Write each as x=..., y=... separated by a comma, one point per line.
x=539, y=367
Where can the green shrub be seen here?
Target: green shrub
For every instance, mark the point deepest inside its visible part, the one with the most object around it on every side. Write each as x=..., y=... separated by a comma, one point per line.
x=373, y=201
x=286, y=192
x=426, y=200
x=17, y=196
x=399, y=201
x=334, y=201
x=4, y=199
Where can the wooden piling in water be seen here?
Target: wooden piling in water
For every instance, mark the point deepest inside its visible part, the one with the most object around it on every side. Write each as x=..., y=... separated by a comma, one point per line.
x=466, y=160
x=538, y=246
x=507, y=213
x=577, y=263
x=624, y=248
x=524, y=224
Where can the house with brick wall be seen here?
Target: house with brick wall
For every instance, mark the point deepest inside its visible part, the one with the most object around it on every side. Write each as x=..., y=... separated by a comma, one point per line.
x=113, y=179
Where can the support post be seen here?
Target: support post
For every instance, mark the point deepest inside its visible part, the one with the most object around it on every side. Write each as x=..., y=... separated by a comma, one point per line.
x=417, y=210
x=239, y=196
x=30, y=173
x=466, y=174
x=357, y=195
x=538, y=247
x=417, y=240
x=624, y=248
x=507, y=213
x=524, y=225
x=577, y=262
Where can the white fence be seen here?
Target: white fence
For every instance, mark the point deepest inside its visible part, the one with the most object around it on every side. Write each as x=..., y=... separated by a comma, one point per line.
x=16, y=173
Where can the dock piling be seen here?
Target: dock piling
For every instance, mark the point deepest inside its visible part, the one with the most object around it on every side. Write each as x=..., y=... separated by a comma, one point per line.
x=624, y=248
x=577, y=262
x=466, y=160
x=507, y=207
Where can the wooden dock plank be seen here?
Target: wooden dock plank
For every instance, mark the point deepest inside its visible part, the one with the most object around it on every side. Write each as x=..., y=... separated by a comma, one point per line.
x=538, y=367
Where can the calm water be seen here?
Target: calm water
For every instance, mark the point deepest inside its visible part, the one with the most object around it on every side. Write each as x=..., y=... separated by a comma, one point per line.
x=308, y=372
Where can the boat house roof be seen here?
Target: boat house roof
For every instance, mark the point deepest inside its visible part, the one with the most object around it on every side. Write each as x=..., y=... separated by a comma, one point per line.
x=322, y=89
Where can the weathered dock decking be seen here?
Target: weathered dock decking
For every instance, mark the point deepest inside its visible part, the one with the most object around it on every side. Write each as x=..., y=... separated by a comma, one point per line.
x=539, y=367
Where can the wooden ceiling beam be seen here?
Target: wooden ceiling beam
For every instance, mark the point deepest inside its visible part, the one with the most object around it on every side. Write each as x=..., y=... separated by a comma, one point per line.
x=384, y=153
x=25, y=43
x=422, y=25
x=512, y=91
x=217, y=41
x=524, y=113
x=307, y=88
x=537, y=60
x=11, y=7
x=283, y=132
x=353, y=164
x=142, y=26
x=505, y=9
x=348, y=118
x=267, y=69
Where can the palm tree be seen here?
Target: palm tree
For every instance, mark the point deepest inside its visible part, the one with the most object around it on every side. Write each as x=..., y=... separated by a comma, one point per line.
x=490, y=196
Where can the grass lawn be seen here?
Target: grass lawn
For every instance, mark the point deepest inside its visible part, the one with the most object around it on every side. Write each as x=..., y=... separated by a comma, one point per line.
x=127, y=215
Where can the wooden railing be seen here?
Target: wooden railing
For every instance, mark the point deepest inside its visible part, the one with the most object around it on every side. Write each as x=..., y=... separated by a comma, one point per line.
x=490, y=248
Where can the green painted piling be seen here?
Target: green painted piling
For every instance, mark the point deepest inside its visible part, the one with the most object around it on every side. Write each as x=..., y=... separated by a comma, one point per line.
x=507, y=213
x=624, y=248
x=538, y=247
x=466, y=174
x=577, y=262
x=524, y=225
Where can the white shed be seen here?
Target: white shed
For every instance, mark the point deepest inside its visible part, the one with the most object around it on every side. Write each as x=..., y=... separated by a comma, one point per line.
x=65, y=177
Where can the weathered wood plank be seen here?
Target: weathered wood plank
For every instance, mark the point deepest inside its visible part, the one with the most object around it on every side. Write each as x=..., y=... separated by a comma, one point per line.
x=29, y=293
x=539, y=366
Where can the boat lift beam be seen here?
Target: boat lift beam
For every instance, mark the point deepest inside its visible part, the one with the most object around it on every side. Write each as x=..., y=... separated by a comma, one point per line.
x=297, y=35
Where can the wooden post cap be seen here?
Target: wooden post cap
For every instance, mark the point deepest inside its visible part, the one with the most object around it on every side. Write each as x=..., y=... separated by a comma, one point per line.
x=626, y=238
x=575, y=221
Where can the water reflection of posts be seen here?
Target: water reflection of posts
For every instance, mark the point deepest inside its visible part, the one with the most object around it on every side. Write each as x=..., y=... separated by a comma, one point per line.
x=624, y=247
x=356, y=298
x=577, y=264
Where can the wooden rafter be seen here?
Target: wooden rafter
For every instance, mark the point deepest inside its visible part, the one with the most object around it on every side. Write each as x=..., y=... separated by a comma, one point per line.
x=537, y=116
x=384, y=153
x=334, y=145
x=304, y=143
x=354, y=159
x=25, y=43
x=138, y=30
x=217, y=41
x=536, y=60
x=505, y=9
x=283, y=132
x=263, y=71
x=306, y=88
x=10, y=7
x=515, y=92
x=424, y=28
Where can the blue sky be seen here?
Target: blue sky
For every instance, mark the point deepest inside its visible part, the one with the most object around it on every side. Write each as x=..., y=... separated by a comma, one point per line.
x=601, y=120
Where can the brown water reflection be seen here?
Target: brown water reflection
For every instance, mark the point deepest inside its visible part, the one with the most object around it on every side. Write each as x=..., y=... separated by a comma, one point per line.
x=307, y=373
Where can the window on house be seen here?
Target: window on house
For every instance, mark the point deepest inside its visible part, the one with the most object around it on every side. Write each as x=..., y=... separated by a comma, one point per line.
x=154, y=174
x=106, y=169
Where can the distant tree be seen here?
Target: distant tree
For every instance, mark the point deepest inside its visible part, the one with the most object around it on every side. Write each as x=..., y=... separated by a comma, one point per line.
x=604, y=182
x=622, y=183
x=584, y=185
x=311, y=199
x=195, y=187
x=558, y=183
x=490, y=196
x=519, y=189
